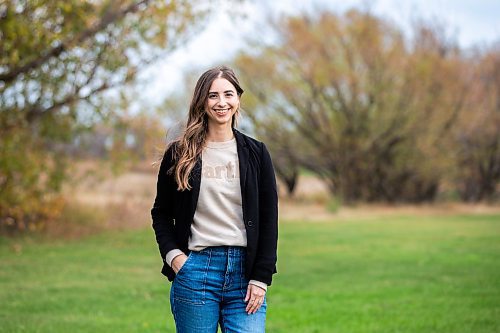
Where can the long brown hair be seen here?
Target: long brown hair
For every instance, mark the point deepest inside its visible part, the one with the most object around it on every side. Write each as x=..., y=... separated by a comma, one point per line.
x=190, y=145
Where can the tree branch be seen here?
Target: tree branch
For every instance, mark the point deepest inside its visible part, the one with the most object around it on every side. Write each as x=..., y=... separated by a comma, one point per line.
x=108, y=18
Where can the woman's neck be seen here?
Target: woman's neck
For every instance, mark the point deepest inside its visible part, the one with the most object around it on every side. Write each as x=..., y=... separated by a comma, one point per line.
x=219, y=133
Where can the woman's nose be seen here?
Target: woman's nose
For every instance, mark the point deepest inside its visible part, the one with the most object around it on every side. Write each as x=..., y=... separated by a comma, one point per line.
x=222, y=101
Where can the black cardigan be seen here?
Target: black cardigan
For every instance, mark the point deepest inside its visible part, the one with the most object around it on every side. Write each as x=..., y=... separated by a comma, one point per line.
x=173, y=210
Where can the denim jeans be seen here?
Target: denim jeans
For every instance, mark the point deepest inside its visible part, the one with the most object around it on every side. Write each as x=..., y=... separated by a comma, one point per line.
x=210, y=290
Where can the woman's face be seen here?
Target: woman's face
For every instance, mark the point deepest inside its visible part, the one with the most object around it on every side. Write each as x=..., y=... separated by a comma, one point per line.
x=222, y=103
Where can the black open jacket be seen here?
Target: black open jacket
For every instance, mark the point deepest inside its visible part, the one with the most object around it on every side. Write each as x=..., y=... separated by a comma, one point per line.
x=173, y=210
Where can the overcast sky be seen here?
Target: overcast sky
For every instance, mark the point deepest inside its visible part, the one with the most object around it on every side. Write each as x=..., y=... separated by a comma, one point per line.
x=472, y=22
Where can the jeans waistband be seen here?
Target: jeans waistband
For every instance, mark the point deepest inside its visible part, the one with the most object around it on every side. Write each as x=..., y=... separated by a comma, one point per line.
x=224, y=250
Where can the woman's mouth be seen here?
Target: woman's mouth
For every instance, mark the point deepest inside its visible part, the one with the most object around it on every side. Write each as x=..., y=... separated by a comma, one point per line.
x=221, y=112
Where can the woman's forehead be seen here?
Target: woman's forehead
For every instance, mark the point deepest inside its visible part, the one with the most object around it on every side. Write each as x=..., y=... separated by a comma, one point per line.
x=221, y=85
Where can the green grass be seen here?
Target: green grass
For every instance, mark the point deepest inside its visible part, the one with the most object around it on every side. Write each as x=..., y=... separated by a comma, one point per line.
x=397, y=274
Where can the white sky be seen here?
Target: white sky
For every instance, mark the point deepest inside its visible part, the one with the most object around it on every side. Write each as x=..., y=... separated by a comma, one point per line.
x=472, y=22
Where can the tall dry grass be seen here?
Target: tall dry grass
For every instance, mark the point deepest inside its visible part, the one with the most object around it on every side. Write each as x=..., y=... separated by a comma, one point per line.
x=98, y=200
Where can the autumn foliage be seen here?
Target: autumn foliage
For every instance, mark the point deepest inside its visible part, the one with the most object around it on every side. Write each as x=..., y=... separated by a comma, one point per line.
x=61, y=62
x=380, y=116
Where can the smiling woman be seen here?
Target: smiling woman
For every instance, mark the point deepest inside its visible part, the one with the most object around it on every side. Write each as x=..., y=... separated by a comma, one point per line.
x=215, y=215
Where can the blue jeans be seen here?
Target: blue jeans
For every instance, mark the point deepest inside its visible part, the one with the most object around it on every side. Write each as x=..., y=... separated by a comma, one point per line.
x=210, y=290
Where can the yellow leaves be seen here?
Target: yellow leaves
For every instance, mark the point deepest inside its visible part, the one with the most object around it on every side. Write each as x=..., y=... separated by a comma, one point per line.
x=54, y=54
x=26, y=200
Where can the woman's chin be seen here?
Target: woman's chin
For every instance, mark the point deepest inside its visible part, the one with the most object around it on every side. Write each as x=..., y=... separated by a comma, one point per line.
x=221, y=120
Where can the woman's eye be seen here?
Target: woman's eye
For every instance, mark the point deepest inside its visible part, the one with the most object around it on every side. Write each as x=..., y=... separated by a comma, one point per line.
x=212, y=96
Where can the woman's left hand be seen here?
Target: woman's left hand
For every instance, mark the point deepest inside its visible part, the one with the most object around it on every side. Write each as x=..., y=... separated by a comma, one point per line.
x=255, y=298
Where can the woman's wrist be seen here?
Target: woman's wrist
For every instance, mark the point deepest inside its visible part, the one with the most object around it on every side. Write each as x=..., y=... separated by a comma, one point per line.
x=259, y=284
x=171, y=255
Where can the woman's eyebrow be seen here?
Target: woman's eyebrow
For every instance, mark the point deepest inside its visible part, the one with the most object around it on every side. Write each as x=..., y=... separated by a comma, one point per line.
x=216, y=92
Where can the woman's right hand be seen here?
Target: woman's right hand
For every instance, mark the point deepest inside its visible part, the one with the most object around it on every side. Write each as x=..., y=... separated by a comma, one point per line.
x=178, y=262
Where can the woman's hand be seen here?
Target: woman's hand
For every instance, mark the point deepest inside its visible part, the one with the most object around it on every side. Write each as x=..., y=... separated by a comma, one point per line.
x=178, y=262
x=255, y=298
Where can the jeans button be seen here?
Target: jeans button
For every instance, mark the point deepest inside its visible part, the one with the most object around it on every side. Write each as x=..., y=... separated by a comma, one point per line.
x=250, y=223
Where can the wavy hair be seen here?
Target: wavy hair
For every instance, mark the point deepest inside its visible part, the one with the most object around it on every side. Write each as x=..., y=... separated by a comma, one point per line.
x=189, y=146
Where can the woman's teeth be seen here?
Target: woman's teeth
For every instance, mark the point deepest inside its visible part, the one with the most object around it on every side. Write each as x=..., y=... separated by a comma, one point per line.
x=221, y=112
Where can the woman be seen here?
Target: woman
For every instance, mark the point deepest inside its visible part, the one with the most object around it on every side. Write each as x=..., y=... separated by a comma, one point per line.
x=215, y=215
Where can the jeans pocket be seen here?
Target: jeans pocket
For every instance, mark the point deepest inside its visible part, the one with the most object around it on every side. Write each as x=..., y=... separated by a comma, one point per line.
x=184, y=264
x=189, y=283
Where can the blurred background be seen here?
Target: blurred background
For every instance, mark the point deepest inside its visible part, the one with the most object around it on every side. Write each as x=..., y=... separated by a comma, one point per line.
x=382, y=119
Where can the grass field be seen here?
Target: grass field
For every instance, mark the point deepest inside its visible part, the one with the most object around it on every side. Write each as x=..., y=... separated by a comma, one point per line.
x=391, y=274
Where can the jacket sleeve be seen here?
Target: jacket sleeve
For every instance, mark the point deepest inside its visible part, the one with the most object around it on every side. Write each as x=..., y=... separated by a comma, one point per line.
x=162, y=212
x=265, y=263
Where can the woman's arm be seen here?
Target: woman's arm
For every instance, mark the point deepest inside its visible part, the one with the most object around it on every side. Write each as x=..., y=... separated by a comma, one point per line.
x=265, y=261
x=162, y=211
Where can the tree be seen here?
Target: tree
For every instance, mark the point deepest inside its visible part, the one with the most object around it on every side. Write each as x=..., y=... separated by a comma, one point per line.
x=283, y=142
x=372, y=109
x=60, y=61
x=477, y=137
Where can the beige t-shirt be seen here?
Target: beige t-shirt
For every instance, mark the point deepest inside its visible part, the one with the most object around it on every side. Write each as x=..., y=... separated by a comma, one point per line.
x=218, y=219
